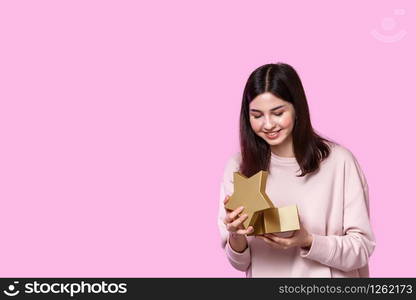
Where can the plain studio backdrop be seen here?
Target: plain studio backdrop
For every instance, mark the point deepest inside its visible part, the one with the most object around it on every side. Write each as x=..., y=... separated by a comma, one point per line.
x=117, y=119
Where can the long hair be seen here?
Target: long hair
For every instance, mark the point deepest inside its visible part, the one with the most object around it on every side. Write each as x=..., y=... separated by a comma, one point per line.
x=282, y=81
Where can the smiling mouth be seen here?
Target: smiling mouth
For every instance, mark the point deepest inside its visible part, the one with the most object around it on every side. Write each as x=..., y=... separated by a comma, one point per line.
x=272, y=134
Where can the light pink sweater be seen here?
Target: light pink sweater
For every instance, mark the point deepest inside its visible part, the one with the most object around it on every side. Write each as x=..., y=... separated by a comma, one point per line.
x=333, y=206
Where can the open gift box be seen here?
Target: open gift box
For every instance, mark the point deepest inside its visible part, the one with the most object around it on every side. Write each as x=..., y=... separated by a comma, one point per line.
x=262, y=214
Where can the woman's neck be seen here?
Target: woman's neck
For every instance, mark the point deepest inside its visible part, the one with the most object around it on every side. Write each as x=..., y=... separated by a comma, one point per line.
x=284, y=150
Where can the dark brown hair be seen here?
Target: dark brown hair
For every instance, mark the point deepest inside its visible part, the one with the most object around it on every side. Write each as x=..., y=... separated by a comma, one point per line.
x=282, y=81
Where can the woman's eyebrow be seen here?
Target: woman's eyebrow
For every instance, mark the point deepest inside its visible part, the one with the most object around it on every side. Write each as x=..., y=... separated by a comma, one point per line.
x=277, y=107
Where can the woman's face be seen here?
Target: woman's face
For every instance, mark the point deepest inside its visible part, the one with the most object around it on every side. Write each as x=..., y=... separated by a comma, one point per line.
x=272, y=118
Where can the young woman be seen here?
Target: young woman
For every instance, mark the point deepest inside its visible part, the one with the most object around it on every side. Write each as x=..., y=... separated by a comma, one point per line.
x=320, y=176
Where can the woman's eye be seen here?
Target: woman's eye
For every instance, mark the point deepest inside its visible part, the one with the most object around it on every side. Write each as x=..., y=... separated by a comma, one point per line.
x=279, y=114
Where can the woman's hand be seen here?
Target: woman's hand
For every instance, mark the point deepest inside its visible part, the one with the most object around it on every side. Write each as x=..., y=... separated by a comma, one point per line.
x=301, y=238
x=233, y=222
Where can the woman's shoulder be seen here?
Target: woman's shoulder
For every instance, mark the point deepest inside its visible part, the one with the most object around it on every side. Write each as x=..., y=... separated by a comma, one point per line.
x=340, y=153
x=346, y=161
x=232, y=165
x=233, y=162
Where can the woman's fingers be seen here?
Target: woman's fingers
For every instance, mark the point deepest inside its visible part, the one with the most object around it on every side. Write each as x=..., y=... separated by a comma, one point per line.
x=250, y=229
x=283, y=242
x=235, y=212
x=234, y=226
x=232, y=215
x=273, y=243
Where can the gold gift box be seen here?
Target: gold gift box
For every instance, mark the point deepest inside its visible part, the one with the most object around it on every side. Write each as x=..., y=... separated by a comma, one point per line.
x=262, y=214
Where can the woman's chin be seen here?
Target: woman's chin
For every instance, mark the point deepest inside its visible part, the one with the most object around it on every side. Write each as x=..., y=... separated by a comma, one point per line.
x=272, y=142
x=276, y=141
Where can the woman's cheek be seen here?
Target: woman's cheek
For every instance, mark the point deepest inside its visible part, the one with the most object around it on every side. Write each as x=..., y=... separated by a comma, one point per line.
x=255, y=125
x=286, y=122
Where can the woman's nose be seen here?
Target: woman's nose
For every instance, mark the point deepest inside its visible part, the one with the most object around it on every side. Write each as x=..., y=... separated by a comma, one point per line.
x=269, y=123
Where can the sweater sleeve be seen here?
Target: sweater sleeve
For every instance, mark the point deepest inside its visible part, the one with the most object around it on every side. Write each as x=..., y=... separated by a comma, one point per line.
x=239, y=261
x=351, y=250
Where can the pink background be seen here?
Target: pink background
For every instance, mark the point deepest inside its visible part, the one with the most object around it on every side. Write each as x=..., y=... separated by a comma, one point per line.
x=117, y=118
